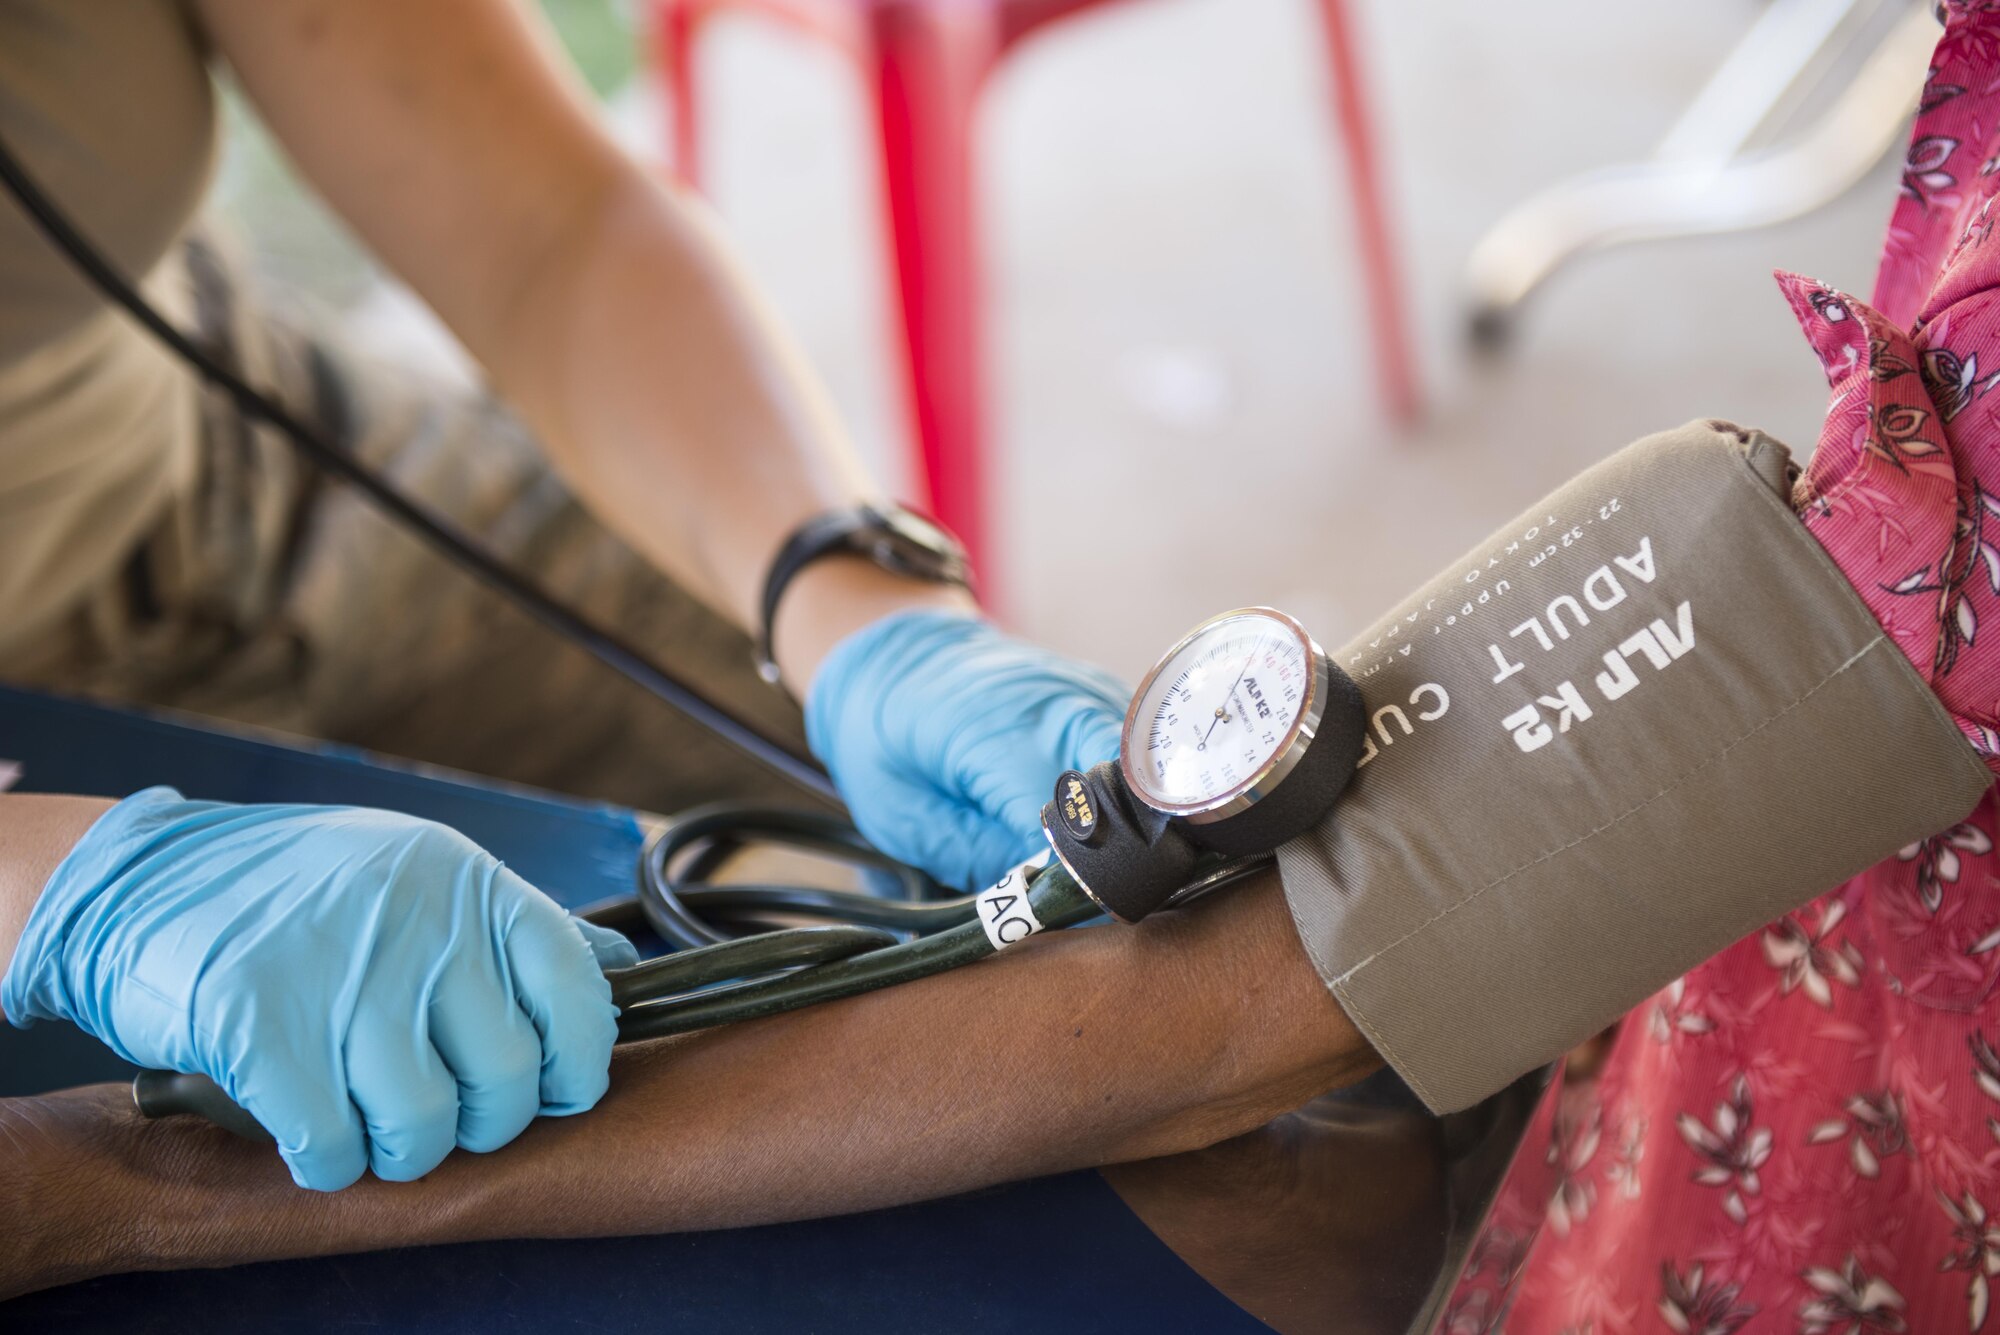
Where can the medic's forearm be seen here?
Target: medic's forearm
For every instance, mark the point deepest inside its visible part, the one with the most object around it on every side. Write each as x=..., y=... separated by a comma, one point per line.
x=678, y=408
x=670, y=397
x=36, y=832
x=1089, y=1047
x=454, y=138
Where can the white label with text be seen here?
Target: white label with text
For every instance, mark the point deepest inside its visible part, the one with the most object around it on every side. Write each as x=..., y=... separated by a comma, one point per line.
x=1003, y=908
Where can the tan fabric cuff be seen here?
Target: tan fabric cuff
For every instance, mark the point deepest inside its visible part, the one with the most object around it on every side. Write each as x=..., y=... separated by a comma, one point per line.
x=1647, y=718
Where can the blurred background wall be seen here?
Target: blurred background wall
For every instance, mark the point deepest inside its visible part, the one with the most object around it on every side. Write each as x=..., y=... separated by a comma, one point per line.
x=1175, y=343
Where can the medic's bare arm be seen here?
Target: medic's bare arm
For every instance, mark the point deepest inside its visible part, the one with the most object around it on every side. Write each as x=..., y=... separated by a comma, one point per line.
x=602, y=303
x=1093, y=1046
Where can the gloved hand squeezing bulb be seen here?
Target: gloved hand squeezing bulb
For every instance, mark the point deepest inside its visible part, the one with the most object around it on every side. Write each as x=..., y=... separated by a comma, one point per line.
x=373, y=988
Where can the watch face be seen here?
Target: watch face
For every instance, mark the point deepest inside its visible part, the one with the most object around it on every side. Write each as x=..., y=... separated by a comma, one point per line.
x=910, y=525
x=920, y=545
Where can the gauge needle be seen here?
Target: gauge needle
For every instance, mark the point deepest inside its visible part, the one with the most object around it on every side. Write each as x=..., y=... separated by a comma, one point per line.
x=1222, y=710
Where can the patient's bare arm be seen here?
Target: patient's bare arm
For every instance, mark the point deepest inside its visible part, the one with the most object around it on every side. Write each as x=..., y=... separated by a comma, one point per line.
x=1087, y=1047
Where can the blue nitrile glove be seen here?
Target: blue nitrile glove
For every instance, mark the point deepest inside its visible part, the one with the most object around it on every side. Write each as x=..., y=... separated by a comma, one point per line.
x=946, y=738
x=372, y=987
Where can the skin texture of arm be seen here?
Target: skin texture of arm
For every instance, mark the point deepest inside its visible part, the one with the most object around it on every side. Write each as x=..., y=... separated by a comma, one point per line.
x=35, y=833
x=602, y=303
x=1088, y=1047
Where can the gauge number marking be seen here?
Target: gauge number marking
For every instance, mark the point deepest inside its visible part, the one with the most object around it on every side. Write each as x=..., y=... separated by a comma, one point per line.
x=1220, y=708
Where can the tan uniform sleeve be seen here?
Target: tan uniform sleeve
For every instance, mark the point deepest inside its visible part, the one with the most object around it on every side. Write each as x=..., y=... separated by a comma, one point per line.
x=1647, y=718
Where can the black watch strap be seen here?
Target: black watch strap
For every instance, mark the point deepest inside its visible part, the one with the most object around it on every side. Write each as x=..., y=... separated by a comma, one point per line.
x=894, y=538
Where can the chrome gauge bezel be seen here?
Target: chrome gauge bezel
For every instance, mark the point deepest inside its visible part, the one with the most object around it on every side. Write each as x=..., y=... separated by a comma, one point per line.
x=1246, y=794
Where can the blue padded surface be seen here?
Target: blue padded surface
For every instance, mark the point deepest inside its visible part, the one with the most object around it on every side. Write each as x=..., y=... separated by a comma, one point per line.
x=987, y=1262
x=981, y=1263
x=575, y=851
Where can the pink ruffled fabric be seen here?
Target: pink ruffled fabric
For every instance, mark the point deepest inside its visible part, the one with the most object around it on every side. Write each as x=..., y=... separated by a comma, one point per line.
x=1803, y=1134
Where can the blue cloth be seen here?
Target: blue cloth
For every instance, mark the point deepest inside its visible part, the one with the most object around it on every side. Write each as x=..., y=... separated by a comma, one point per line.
x=374, y=988
x=1055, y=1256
x=946, y=737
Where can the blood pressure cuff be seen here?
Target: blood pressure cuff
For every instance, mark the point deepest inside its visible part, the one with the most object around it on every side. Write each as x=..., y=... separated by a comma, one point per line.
x=1643, y=720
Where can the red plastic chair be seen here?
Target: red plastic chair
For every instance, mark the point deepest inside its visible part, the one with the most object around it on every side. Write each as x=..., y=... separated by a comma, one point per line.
x=926, y=61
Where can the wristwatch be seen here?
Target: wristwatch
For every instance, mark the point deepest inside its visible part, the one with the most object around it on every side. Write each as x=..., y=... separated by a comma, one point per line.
x=897, y=539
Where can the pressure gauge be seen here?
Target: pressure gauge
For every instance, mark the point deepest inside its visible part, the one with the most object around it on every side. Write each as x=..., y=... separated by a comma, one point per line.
x=1240, y=738
x=1225, y=716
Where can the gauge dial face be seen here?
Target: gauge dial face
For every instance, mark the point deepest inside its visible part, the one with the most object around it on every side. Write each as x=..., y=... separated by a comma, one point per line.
x=1219, y=711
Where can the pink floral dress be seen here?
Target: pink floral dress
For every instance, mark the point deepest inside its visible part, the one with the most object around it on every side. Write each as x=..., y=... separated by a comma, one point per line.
x=1803, y=1134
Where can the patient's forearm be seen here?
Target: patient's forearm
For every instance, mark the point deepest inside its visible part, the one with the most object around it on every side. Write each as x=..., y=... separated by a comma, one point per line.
x=1081, y=1048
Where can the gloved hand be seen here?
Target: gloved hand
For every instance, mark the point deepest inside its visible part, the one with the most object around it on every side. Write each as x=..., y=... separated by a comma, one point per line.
x=372, y=987
x=946, y=738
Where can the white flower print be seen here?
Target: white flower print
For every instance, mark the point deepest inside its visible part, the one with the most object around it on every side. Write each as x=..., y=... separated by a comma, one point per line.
x=1938, y=860
x=1953, y=381
x=1828, y=306
x=1850, y=1302
x=1731, y=1148
x=1948, y=586
x=1692, y=1306
x=1986, y=1074
x=1808, y=960
x=1923, y=171
x=1975, y=1247
x=1873, y=1129
x=1571, y=1149
x=1670, y=1017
